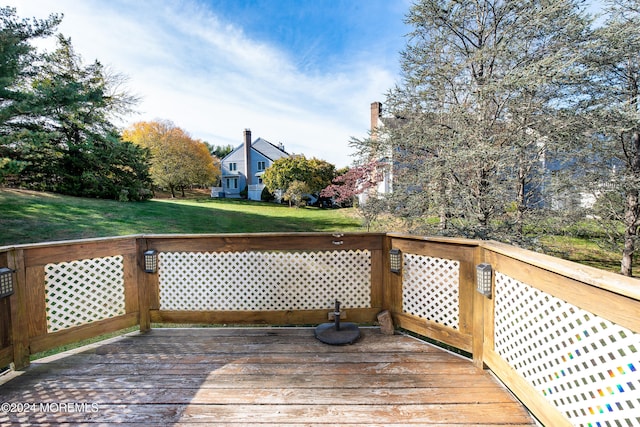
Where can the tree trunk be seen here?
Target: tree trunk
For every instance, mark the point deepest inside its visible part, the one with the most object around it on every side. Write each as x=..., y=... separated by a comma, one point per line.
x=630, y=232
x=631, y=211
x=443, y=208
x=444, y=224
x=521, y=202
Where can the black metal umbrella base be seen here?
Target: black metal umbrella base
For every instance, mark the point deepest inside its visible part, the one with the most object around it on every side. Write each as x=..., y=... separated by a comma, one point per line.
x=347, y=334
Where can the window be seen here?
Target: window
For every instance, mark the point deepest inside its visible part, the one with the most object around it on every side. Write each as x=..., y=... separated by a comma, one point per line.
x=233, y=166
x=261, y=165
x=232, y=183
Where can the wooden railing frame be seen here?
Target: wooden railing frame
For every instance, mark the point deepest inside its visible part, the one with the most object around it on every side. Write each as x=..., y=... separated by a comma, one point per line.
x=23, y=323
x=269, y=241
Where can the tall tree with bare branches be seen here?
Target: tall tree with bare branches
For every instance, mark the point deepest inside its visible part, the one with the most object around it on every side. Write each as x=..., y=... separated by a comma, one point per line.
x=475, y=111
x=612, y=159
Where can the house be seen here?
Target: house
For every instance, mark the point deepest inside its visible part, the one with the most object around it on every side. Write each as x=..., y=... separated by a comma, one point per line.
x=384, y=186
x=243, y=167
x=541, y=191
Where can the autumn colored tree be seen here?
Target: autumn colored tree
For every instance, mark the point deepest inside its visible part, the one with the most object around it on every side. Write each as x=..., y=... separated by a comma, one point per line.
x=361, y=179
x=177, y=160
x=355, y=181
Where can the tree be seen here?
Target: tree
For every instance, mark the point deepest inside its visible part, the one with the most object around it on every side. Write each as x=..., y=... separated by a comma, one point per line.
x=220, y=151
x=68, y=139
x=202, y=168
x=18, y=64
x=315, y=173
x=322, y=173
x=475, y=109
x=295, y=193
x=56, y=118
x=177, y=160
x=355, y=181
x=361, y=179
x=612, y=158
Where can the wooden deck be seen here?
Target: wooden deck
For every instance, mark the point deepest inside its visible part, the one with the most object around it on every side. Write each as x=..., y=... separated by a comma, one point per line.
x=253, y=376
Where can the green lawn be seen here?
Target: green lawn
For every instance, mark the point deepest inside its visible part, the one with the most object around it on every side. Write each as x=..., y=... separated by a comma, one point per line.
x=30, y=217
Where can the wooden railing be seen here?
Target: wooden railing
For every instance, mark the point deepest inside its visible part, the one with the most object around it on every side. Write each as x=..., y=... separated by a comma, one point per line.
x=563, y=337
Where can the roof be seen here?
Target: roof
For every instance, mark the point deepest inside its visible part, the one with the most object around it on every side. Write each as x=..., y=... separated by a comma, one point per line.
x=268, y=150
x=264, y=147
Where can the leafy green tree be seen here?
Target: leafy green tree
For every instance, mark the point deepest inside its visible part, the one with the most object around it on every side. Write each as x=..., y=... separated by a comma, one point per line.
x=284, y=171
x=322, y=173
x=315, y=173
x=71, y=145
x=18, y=64
x=220, y=151
x=295, y=193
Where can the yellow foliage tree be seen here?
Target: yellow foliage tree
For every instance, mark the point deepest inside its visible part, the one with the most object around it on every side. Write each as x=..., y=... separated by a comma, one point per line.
x=177, y=160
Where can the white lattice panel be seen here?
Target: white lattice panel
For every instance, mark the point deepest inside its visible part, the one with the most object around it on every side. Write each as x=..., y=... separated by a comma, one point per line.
x=430, y=288
x=264, y=280
x=585, y=365
x=83, y=291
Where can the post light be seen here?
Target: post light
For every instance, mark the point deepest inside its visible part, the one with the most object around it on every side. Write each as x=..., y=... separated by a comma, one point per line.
x=395, y=260
x=483, y=279
x=150, y=261
x=6, y=282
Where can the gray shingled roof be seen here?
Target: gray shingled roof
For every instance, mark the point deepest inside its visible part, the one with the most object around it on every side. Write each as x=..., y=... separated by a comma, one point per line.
x=262, y=146
x=267, y=149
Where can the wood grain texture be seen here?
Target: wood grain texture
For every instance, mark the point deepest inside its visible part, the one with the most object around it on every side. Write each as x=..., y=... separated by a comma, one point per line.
x=261, y=376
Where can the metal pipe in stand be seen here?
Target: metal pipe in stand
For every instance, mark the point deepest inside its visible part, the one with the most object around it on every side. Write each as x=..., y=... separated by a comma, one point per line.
x=336, y=333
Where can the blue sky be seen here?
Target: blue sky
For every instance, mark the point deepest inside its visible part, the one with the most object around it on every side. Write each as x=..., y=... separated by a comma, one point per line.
x=299, y=72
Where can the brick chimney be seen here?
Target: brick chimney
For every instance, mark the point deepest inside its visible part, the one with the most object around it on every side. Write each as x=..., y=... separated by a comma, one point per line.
x=376, y=113
x=247, y=155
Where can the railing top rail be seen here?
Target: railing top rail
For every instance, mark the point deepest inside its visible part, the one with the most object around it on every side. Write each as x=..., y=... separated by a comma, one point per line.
x=613, y=282
x=257, y=235
x=49, y=244
x=181, y=236
x=437, y=239
x=606, y=280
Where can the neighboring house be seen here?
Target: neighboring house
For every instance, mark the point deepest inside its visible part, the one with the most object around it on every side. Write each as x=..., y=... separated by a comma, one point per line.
x=541, y=197
x=384, y=186
x=244, y=167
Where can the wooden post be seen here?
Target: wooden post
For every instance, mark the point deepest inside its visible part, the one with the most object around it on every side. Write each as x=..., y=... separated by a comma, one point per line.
x=145, y=282
x=19, y=310
x=479, y=302
x=392, y=299
x=378, y=276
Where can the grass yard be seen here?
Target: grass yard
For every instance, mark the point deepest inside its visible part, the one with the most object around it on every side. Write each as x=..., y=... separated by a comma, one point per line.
x=31, y=217
x=586, y=251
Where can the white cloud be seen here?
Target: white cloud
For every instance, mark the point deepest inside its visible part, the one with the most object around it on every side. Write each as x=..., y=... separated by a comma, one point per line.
x=211, y=79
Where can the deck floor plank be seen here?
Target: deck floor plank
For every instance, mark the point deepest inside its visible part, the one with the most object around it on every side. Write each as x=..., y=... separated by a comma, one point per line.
x=259, y=376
